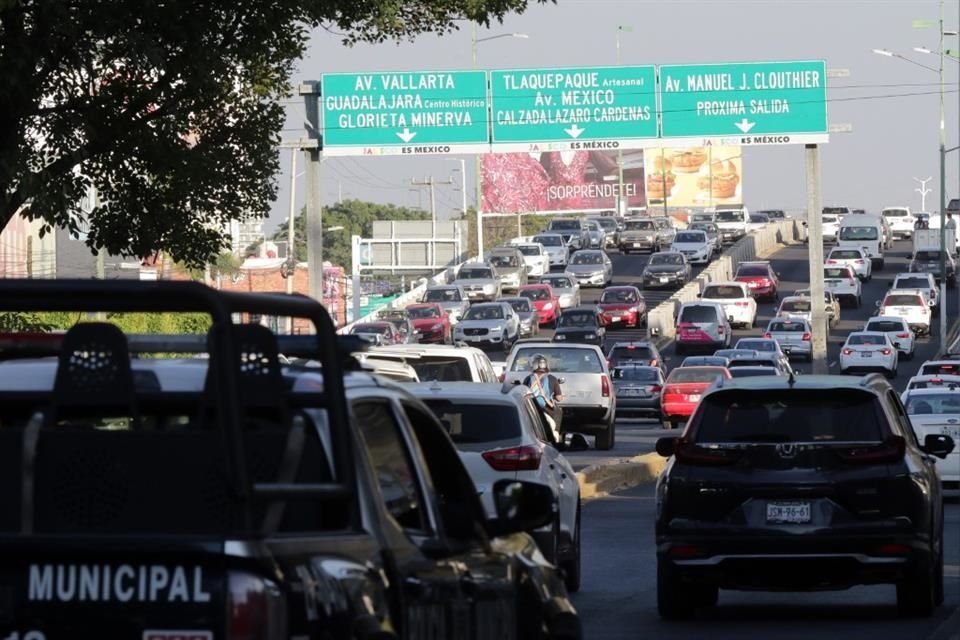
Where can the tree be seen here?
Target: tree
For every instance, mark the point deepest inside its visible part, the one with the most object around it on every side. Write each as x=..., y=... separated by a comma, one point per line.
x=171, y=110
x=356, y=217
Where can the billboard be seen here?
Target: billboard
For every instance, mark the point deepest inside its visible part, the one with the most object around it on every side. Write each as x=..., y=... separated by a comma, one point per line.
x=694, y=177
x=561, y=181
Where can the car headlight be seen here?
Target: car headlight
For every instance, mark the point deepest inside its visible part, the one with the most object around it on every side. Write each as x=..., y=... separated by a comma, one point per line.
x=591, y=336
x=548, y=306
x=559, y=337
x=495, y=329
x=436, y=327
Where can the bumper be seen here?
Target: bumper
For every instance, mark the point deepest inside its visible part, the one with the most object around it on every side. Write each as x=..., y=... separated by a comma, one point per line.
x=763, y=292
x=741, y=316
x=621, y=319
x=661, y=281
x=481, y=295
x=630, y=406
x=803, y=350
x=698, y=257
x=679, y=409
x=857, y=363
x=430, y=337
x=593, y=280
x=587, y=418
x=489, y=339
x=631, y=244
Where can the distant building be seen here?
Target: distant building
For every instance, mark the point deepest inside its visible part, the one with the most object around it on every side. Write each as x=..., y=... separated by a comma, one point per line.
x=74, y=259
x=23, y=253
x=244, y=233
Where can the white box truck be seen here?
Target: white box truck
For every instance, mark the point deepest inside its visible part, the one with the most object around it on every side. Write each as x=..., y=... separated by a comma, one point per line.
x=929, y=239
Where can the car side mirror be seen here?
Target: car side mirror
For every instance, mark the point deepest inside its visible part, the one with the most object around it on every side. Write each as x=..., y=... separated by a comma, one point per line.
x=778, y=275
x=938, y=444
x=574, y=442
x=667, y=446
x=876, y=303
x=521, y=506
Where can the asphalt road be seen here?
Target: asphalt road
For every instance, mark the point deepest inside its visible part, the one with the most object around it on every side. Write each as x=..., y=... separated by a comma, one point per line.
x=639, y=436
x=618, y=595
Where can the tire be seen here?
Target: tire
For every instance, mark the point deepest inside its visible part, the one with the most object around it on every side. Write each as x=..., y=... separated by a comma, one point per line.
x=673, y=600
x=916, y=594
x=705, y=595
x=605, y=440
x=938, y=573
x=571, y=566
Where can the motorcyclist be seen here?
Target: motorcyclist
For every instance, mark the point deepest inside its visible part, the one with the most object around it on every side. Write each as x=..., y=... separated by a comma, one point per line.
x=547, y=392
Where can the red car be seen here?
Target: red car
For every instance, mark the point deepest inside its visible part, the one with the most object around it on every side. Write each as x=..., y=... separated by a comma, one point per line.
x=431, y=322
x=622, y=307
x=544, y=300
x=682, y=391
x=760, y=277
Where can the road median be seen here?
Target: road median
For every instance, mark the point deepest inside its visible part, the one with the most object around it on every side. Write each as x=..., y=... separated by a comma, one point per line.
x=599, y=480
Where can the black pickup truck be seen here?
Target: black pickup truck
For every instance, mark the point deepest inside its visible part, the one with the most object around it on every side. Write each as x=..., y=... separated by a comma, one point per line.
x=225, y=497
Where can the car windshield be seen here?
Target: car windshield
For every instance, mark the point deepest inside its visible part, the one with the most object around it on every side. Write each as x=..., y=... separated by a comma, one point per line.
x=933, y=403
x=774, y=213
x=631, y=352
x=638, y=225
x=520, y=305
x=730, y=216
x=557, y=282
x=829, y=219
x=578, y=319
x=752, y=372
x=472, y=424
x=560, y=359
x=752, y=270
x=837, y=272
x=608, y=224
x=927, y=255
x=475, y=273
x=549, y=241
x=788, y=415
x=565, y=225
x=707, y=227
x=442, y=295
x=858, y=233
x=587, y=258
x=504, y=261
x=867, y=340
x=619, y=295
x=536, y=293
x=698, y=313
x=723, y=292
x=911, y=283
x=886, y=325
x=895, y=213
x=846, y=254
x=666, y=258
x=757, y=345
x=636, y=374
x=783, y=326
x=690, y=236
x=795, y=305
x=902, y=300
x=382, y=329
x=420, y=313
x=695, y=374
x=484, y=312
x=756, y=217
x=529, y=249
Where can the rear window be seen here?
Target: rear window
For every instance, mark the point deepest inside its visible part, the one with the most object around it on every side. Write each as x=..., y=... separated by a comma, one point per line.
x=561, y=360
x=698, y=313
x=477, y=424
x=884, y=325
x=934, y=369
x=757, y=345
x=492, y=312
x=504, y=261
x=788, y=416
x=877, y=339
x=895, y=213
x=751, y=372
x=695, y=374
x=934, y=404
x=723, y=292
x=624, y=354
x=912, y=283
x=753, y=270
x=846, y=254
x=737, y=363
x=795, y=305
x=439, y=368
x=902, y=300
x=636, y=374
x=839, y=272
x=565, y=225
x=529, y=250
x=799, y=327
x=928, y=256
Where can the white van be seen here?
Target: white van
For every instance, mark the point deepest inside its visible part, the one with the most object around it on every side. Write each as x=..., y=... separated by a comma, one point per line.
x=864, y=232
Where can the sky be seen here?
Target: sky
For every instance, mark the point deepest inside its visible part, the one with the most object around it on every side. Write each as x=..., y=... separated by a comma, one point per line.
x=892, y=104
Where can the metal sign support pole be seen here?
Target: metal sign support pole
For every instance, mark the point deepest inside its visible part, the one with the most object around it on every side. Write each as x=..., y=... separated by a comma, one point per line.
x=818, y=312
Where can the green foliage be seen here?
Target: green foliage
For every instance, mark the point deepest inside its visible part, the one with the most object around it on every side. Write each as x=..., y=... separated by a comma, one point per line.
x=157, y=323
x=170, y=109
x=22, y=322
x=356, y=217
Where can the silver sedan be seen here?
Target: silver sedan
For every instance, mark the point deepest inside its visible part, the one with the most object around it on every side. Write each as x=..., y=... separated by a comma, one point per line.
x=591, y=268
x=565, y=287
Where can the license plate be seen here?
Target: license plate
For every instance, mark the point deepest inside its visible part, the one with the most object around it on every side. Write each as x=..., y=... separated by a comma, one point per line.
x=664, y=280
x=634, y=392
x=694, y=398
x=788, y=512
x=866, y=354
x=953, y=432
x=615, y=318
x=636, y=245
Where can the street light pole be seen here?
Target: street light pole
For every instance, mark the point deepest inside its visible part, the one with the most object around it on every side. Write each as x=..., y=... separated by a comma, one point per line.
x=923, y=191
x=621, y=209
x=943, y=198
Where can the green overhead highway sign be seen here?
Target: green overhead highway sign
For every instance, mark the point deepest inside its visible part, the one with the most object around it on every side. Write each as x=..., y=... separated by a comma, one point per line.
x=386, y=113
x=744, y=103
x=574, y=108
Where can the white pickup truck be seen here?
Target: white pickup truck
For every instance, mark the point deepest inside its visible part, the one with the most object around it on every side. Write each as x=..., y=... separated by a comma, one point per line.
x=925, y=239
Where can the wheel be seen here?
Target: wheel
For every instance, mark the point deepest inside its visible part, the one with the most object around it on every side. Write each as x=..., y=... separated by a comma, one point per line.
x=673, y=600
x=606, y=439
x=571, y=566
x=916, y=594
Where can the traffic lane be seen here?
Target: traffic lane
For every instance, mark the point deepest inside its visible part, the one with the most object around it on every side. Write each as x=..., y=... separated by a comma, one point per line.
x=618, y=599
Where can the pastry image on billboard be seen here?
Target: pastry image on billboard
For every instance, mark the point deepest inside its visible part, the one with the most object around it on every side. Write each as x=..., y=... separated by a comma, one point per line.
x=719, y=179
x=660, y=178
x=688, y=160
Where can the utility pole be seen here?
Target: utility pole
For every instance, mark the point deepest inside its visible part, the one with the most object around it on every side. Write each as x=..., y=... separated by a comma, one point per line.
x=314, y=202
x=818, y=312
x=923, y=191
x=291, y=233
x=943, y=198
x=432, y=183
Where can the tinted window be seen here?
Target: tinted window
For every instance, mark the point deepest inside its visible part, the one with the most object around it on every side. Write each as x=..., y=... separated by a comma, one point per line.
x=756, y=217
x=912, y=283
x=687, y=236
x=442, y=295
x=578, y=319
x=846, y=254
x=751, y=372
x=895, y=300
x=839, y=272
x=753, y=270
x=795, y=305
x=504, y=261
x=619, y=295
x=419, y=313
x=666, y=258
x=558, y=282
x=751, y=362
x=799, y=327
x=858, y=233
x=638, y=225
x=636, y=374
x=625, y=354
x=927, y=256
x=472, y=424
x=794, y=416
x=757, y=345
x=430, y=368
x=829, y=219
x=484, y=312
x=884, y=325
x=695, y=374
x=895, y=213
x=706, y=227
x=536, y=294
x=722, y=292
x=587, y=258
x=475, y=273
x=698, y=313
x=867, y=340
x=529, y=250
x=730, y=216
x=934, y=369
x=549, y=241
x=390, y=458
x=520, y=305
x=565, y=225
x=933, y=403
x=560, y=360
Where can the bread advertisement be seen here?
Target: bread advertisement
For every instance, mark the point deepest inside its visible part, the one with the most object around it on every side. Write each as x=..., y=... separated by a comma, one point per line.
x=698, y=177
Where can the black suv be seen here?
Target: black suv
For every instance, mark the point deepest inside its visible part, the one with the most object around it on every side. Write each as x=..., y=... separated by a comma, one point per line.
x=788, y=484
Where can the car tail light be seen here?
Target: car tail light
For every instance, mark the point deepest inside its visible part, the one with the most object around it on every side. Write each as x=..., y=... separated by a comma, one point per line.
x=893, y=549
x=690, y=453
x=653, y=362
x=525, y=458
x=859, y=261
x=767, y=335
x=605, y=386
x=831, y=262
x=609, y=364
x=885, y=352
x=670, y=390
x=655, y=388
x=806, y=337
x=256, y=607
x=848, y=352
x=687, y=551
x=891, y=450
x=720, y=330
x=634, y=309
x=742, y=303
x=933, y=292
x=903, y=335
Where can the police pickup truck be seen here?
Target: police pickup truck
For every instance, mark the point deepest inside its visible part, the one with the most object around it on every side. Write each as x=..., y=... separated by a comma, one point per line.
x=226, y=497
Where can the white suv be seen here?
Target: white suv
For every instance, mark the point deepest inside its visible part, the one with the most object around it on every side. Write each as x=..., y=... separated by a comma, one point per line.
x=446, y=363
x=912, y=306
x=842, y=281
x=897, y=330
x=900, y=221
x=918, y=282
x=738, y=304
x=853, y=257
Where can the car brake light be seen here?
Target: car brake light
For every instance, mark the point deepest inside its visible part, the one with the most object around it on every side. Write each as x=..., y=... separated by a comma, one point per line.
x=933, y=292
x=903, y=335
x=689, y=453
x=891, y=450
x=687, y=551
x=742, y=303
x=847, y=352
x=885, y=351
x=767, y=335
x=831, y=262
x=631, y=347
x=256, y=608
x=893, y=549
x=525, y=458
x=937, y=381
x=605, y=386
x=655, y=388
x=653, y=362
x=720, y=330
x=806, y=337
